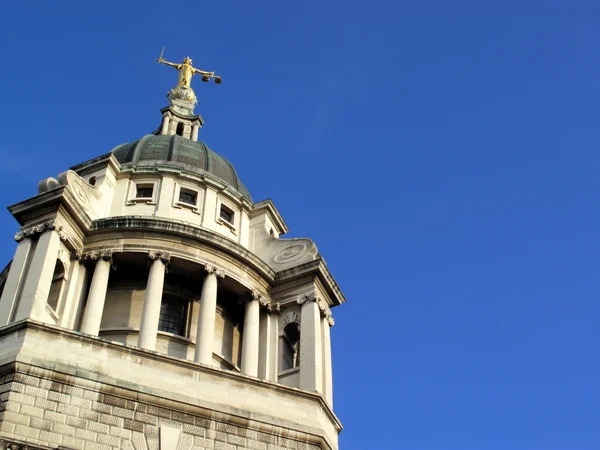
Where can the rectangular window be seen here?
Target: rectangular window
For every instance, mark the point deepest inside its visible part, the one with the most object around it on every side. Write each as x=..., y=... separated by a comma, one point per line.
x=188, y=197
x=226, y=214
x=173, y=314
x=144, y=191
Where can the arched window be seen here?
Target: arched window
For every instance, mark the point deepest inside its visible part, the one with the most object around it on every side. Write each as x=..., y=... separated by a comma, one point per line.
x=290, y=357
x=58, y=279
x=179, y=129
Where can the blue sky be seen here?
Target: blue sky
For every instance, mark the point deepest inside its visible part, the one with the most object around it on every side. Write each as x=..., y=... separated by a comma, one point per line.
x=442, y=154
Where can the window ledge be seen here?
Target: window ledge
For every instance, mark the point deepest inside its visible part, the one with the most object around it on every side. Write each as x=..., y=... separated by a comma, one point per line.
x=51, y=312
x=133, y=201
x=227, y=224
x=289, y=371
x=180, y=205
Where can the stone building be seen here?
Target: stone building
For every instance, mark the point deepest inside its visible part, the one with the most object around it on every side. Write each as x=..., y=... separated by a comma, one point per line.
x=152, y=304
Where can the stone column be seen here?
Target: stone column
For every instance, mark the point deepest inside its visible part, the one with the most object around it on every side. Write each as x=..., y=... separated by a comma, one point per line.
x=205, y=335
x=268, y=342
x=311, y=359
x=165, y=125
x=251, y=333
x=15, y=279
x=153, y=299
x=195, y=129
x=187, y=131
x=326, y=323
x=97, y=295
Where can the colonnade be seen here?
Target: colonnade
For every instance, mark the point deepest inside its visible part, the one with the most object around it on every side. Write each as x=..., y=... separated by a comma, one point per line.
x=147, y=338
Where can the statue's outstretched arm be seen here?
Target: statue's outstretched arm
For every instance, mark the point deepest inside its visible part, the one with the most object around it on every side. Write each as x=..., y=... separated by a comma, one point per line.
x=160, y=60
x=202, y=72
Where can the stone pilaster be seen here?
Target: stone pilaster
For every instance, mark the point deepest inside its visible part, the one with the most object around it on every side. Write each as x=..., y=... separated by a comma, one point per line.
x=311, y=348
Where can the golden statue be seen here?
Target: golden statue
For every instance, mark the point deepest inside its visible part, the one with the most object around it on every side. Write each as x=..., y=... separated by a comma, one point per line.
x=187, y=71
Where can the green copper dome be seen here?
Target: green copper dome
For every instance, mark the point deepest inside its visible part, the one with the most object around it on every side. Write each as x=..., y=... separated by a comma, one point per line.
x=178, y=151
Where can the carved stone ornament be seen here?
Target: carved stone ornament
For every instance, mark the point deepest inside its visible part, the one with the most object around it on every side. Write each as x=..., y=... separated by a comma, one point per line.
x=302, y=299
x=40, y=229
x=210, y=269
x=274, y=308
x=104, y=255
x=162, y=256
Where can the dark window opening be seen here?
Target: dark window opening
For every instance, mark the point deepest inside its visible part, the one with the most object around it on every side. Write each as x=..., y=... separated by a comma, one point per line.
x=188, y=197
x=291, y=346
x=92, y=181
x=179, y=129
x=57, y=283
x=173, y=315
x=144, y=191
x=226, y=214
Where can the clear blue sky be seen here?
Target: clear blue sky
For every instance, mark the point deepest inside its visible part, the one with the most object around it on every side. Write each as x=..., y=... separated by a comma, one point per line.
x=442, y=154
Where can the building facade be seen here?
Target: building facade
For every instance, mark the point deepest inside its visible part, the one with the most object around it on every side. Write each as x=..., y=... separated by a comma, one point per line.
x=152, y=304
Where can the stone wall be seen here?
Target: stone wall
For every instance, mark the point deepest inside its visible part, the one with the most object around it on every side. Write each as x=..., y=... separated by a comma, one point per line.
x=50, y=413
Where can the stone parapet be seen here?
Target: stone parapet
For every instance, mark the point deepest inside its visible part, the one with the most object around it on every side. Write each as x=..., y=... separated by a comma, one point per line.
x=61, y=388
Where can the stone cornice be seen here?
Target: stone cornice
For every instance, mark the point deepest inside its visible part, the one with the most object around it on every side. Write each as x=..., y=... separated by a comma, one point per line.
x=177, y=228
x=318, y=268
x=269, y=206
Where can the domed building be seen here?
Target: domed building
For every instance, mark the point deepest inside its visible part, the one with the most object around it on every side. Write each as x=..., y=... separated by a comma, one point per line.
x=152, y=304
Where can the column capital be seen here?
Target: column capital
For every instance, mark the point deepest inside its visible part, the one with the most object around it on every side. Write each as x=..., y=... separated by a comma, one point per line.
x=274, y=308
x=323, y=307
x=96, y=255
x=210, y=269
x=164, y=257
x=40, y=229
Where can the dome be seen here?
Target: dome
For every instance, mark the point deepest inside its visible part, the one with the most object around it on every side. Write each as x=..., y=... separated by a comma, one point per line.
x=178, y=151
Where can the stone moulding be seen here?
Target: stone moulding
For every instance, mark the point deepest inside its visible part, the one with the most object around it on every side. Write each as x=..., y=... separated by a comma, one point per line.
x=66, y=373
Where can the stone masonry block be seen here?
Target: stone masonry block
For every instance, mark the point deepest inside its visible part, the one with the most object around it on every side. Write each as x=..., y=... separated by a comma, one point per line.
x=275, y=447
x=98, y=427
x=32, y=411
x=77, y=422
x=236, y=440
x=21, y=398
x=35, y=391
x=114, y=401
x=58, y=397
x=160, y=412
x=96, y=446
x=71, y=442
x=67, y=409
x=103, y=408
x=216, y=435
x=122, y=412
x=181, y=417
x=81, y=402
x=267, y=438
x=63, y=430
x=22, y=430
x=42, y=424
x=111, y=420
x=287, y=443
x=86, y=435
x=204, y=443
x=256, y=445
x=120, y=432
x=109, y=440
x=227, y=428
x=48, y=405
x=224, y=446
x=27, y=379
x=89, y=415
x=146, y=418
x=194, y=430
x=48, y=437
x=133, y=425
x=55, y=417
x=245, y=432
